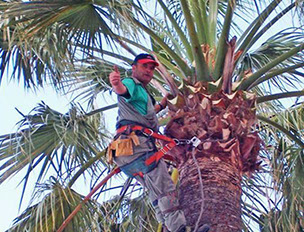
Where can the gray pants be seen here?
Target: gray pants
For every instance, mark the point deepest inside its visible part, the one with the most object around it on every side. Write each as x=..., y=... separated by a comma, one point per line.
x=162, y=193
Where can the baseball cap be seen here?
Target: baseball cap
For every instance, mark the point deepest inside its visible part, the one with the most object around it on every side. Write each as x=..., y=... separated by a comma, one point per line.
x=144, y=58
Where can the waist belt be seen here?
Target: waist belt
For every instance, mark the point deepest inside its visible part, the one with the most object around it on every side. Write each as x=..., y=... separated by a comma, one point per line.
x=154, y=158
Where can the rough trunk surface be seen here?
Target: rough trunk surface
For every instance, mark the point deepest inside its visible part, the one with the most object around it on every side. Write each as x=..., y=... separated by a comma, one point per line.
x=222, y=194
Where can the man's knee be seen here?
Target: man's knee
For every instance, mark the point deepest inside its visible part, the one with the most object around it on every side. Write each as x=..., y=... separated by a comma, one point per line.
x=168, y=202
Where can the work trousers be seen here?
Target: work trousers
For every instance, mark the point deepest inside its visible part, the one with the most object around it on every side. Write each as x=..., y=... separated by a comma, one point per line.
x=162, y=193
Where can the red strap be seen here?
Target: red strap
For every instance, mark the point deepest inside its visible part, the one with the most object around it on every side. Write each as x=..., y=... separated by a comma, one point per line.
x=159, y=154
x=145, y=130
x=141, y=174
x=122, y=129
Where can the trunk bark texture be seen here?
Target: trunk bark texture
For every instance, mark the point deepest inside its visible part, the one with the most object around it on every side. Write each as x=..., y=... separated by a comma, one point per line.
x=221, y=190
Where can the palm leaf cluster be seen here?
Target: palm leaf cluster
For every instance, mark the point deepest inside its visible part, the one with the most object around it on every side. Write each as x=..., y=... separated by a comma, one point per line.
x=73, y=45
x=223, y=122
x=56, y=204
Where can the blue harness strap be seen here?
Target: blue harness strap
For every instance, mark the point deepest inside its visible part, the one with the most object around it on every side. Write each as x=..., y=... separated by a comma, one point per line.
x=139, y=165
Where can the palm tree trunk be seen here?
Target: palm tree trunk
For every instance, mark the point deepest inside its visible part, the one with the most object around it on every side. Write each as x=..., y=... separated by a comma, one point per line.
x=222, y=194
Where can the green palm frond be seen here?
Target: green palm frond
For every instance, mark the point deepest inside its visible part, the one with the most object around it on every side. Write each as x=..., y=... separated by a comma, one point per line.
x=55, y=204
x=42, y=38
x=289, y=121
x=287, y=171
x=256, y=198
x=33, y=62
x=282, y=159
x=74, y=45
x=82, y=19
x=49, y=140
x=89, y=79
x=274, y=48
x=133, y=214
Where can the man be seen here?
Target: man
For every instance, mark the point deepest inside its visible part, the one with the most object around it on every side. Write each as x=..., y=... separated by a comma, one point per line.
x=137, y=107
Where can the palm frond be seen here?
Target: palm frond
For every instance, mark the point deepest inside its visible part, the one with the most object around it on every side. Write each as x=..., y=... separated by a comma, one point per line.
x=42, y=38
x=33, y=62
x=55, y=203
x=261, y=62
x=48, y=140
x=133, y=214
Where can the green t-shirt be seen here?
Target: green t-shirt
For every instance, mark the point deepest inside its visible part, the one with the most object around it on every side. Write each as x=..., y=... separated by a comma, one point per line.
x=138, y=96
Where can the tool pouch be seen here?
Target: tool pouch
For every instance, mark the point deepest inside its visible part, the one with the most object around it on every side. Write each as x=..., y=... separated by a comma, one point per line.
x=122, y=146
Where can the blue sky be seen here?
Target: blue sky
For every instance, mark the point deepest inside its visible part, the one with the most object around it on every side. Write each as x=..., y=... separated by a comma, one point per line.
x=14, y=96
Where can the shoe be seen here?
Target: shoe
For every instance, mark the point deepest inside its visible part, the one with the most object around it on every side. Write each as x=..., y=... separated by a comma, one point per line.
x=203, y=228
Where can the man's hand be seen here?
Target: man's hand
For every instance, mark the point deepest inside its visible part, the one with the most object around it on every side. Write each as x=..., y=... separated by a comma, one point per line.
x=162, y=105
x=115, y=77
x=164, y=102
x=116, y=83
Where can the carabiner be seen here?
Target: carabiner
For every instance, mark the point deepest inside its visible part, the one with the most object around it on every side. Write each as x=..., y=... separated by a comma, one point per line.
x=182, y=141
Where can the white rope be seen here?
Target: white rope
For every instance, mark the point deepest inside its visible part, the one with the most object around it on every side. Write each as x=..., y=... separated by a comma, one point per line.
x=202, y=190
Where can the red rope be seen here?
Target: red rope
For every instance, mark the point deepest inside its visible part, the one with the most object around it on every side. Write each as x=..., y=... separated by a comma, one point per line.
x=75, y=211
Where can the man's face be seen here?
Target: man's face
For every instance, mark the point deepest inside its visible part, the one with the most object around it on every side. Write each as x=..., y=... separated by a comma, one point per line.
x=143, y=72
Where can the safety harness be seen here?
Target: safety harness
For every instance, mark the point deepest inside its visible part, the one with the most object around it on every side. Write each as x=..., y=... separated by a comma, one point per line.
x=147, y=162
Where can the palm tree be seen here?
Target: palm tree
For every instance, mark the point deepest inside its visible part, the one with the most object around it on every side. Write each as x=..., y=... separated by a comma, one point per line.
x=228, y=66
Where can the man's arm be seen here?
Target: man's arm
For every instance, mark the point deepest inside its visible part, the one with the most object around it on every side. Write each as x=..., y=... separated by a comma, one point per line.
x=160, y=106
x=116, y=83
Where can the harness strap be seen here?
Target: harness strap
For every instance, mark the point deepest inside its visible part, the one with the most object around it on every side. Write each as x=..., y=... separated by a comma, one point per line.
x=148, y=132
x=159, y=154
x=145, y=130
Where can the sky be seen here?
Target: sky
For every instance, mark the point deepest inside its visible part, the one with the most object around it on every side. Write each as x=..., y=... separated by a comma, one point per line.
x=14, y=96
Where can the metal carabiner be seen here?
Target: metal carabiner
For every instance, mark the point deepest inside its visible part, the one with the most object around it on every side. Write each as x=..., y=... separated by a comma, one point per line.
x=182, y=141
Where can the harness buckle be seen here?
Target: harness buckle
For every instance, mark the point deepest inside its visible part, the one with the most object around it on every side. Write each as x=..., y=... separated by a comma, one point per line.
x=147, y=132
x=128, y=130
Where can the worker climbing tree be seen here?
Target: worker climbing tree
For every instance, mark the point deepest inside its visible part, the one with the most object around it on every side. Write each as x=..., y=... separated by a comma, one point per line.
x=221, y=69
x=134, y=149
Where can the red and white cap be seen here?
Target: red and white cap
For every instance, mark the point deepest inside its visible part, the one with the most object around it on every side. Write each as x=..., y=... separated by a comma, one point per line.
x=144, y=58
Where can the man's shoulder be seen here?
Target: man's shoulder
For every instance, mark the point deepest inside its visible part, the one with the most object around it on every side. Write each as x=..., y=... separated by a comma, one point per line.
x=132, y=82
x=128, y=81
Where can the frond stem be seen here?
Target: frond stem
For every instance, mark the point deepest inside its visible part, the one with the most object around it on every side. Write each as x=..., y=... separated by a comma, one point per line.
x=280, y=96
x=269, y=66
x=184, y=67
x=256, y=26
x=222, y=43
x=202, y=71
x=85, y=167
x=271, y=75
x=282, y=129
x=178, y=30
